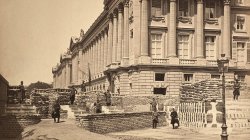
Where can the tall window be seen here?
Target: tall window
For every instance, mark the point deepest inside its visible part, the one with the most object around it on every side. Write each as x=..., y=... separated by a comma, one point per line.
x=156, y=44
x=240, y=23
x=158, y=8
x=183, y=8
x=210, y=9
x=183, y=48
x=210, y=47
x=241, y=52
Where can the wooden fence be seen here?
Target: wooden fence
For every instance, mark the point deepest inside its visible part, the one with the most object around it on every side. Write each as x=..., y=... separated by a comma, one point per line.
x=192, y=114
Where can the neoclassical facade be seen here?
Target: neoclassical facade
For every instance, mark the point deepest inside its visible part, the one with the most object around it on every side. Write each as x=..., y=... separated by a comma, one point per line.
x=153, y=46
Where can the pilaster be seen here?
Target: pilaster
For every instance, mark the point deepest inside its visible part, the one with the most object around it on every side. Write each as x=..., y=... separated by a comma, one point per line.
x=125, y=54
x=200, y=30
x=120, y=33
x=172, y=30
x=144, y=54
x=226, y=29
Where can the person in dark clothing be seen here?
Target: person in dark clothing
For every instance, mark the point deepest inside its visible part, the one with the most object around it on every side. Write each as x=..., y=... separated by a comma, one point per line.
x=73, y=93
x=155, y=116
x=22, y=92
x=56, y=111
x=108, y=98
x=154, y=105
x=236, y=91
x=174, y=118
x=83, y=87
x=98, y=106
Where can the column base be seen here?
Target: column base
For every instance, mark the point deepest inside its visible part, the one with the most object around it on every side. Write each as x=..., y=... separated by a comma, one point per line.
x=114, y=65
x=144, y=60
x=125, y=61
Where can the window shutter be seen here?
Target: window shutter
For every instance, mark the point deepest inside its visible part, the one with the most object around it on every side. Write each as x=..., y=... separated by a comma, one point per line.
x=234, y=51
x=248, y=51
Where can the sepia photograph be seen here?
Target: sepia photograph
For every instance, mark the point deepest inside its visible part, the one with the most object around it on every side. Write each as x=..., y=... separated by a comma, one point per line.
x=124, y=69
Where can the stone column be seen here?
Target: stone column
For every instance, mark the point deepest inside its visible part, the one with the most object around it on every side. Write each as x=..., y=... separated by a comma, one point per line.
x=102, y=52
x=226, y=29
x=105, y=51
x=120, y=33
x=94, y=58
x=172, y=30
x=98, y=54
x=199, y=30
x=67, y=73
x=114, y=47
x=144, y=55
x=125, y=54
x=110, y=40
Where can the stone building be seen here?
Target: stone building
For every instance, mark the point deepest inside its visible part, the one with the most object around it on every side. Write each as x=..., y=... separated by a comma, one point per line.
x=138, y=47
x=4, y=84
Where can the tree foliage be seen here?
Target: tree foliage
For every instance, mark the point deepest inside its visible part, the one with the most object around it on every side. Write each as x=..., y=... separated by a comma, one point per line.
x=38, y=85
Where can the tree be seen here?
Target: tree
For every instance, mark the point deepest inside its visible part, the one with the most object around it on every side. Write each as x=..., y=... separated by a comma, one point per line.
x=38, y=85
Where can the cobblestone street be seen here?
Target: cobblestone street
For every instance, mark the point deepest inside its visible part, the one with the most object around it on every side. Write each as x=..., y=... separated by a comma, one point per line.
x=67, y=130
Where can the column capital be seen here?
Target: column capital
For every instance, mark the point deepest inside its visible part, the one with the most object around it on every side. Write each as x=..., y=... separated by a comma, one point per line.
x=120, y=8
x=227, y=2
x=142, y=0
x=126, y=3
x=200, y=1
x=172, y=0
x=115, y=13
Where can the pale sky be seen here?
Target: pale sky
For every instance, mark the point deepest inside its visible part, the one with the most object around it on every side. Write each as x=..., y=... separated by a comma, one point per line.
x=33, y=34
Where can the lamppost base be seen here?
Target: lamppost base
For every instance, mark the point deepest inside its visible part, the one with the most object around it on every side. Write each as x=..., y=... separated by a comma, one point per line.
x=224, y=136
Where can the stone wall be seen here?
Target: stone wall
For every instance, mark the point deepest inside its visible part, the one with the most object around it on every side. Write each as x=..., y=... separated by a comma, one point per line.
x=105, y=123
x=12, y=126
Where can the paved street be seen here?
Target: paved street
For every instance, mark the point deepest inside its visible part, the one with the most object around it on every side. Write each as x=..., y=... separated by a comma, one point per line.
x=67, y=130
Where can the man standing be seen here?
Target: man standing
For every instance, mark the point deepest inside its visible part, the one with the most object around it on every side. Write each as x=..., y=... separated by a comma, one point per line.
x=22, y=92
x=56, y=111
x=154, y=105
x=155, y=116
x=108, y=98
x=236, y=91
x=73, y=93
x=174, y=118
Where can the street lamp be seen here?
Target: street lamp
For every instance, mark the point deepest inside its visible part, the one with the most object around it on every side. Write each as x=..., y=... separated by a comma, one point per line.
x=223, y=67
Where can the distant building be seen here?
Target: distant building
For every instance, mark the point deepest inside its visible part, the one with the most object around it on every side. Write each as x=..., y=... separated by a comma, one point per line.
x=153, y=46
x=3, y=93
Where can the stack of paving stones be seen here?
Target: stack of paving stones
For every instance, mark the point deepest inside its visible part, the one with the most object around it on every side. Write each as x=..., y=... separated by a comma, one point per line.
x=208, y=90
x=10, y=127
x=41, y=101
x=24, y=114
x=115, y=122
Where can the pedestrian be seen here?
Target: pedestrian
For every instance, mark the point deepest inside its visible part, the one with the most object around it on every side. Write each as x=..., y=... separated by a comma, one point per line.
x=236, y=91
x=83, y=87
x=56, y=111
x=155, y=119
x=98, y=106
x=22, y=92
x=174, y=118
x=154, y=105
x=108, y=97
x=73, y=93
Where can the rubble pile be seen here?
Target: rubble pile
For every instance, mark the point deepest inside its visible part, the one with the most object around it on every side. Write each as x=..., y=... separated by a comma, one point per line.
x=206, y=90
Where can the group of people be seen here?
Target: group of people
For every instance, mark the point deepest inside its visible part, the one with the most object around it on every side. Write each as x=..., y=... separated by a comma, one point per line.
x=155, y=115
